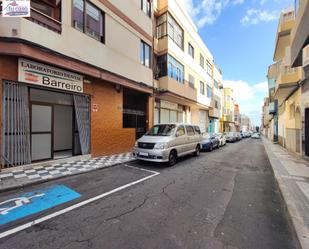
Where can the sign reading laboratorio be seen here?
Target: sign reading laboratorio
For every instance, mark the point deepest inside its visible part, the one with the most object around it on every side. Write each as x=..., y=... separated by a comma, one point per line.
x=16, y=8
x=44, y=75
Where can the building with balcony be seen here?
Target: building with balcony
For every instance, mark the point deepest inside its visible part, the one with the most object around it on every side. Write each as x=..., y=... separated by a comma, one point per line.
x=237, y=117
x=183, y=68
x=216, y=112
x=284, y=88
x=300, y=58
x=70, y=75
x=227, y=119
x=265, y=124
x=245, y=123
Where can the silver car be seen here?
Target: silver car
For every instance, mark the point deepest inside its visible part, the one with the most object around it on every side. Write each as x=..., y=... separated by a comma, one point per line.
x=167, y=142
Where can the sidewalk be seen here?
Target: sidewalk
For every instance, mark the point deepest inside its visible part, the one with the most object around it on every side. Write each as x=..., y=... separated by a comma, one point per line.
x=18, y=177
x=292, y=176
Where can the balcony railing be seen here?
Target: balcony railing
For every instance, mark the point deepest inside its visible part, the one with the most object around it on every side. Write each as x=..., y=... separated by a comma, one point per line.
x=45, y=20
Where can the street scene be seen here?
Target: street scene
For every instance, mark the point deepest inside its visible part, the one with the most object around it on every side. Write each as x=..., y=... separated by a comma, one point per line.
x=195, y=204
x=154, y=124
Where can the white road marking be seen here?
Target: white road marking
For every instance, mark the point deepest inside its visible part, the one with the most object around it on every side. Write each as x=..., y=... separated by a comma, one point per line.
x=77, y=205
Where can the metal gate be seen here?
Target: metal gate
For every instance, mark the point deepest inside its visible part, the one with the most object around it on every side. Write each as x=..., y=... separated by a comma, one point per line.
x=16, y=125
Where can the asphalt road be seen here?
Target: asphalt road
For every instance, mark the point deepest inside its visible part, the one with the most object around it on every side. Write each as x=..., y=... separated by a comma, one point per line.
x=224, y=199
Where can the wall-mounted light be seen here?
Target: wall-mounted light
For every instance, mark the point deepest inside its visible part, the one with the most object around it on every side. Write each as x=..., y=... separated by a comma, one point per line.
x=118, y=88
x=87, y=81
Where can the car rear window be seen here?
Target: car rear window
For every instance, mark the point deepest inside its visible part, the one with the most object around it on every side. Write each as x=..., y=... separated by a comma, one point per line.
x=190, y=130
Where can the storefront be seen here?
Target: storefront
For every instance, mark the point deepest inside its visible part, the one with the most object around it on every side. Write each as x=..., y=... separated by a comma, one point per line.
x=168, y=112
x=45, y=115
x=213, y=125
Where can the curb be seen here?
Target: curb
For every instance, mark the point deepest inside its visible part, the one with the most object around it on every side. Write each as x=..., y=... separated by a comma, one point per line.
x=294, y=219
x=35, y=182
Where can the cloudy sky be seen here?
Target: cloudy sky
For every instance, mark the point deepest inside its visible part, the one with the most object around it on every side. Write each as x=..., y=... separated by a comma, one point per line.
x=241, y=36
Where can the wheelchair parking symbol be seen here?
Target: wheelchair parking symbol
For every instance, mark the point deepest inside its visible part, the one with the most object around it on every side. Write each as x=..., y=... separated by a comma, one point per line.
x=34, y=202
x=14, y=203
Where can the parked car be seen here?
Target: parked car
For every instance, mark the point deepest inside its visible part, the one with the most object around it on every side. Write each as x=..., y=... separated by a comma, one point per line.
x=210, y=142
x=230, y=137
x=167, y=142
x=255, y=135
x=238, y=136
x=222, y=139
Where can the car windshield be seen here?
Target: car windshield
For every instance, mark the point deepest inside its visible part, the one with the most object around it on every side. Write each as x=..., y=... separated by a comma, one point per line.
x=206, y=135
x=162, y=130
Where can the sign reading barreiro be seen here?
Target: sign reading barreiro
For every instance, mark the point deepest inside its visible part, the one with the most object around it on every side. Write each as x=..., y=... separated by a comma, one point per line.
x=44, y=75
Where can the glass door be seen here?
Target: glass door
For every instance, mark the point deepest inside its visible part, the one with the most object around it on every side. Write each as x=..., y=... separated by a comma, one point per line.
x=41, y=131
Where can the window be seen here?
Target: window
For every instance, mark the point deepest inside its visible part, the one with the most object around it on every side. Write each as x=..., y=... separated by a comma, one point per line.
x=190, y=130
x=202, y=88
x=175, y=69
x=89, y=19
x=202, y=61
x=146, y=7
x=167, y=65
x=191, y=81
x=175, y=32
x=46, y=13
x=216, y=84
x=181, y=131
x=209, y=68
x=191, y=50
x=197, y=129
x=216, y=104
x=50, y=8
x=161, y=26
x=145, y=54
x=209, y=92
x=161, y=66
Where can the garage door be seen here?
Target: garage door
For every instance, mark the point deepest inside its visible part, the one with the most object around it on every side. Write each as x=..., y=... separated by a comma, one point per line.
x=202, y=122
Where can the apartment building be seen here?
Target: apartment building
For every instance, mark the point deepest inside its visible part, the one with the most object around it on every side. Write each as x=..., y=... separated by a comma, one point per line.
x=237, y=117
x=70, y=75
x=227, y=119
x=284, y=88
x=183, y=68
x=265, y=124
x=245, y=123
x=216, y=112
x=300, y=58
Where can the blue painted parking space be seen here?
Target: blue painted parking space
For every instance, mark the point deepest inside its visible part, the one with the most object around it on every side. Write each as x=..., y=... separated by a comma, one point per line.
x=36, y=201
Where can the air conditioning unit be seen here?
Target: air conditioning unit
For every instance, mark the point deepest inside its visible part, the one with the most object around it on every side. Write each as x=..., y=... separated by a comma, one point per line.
x=306, y=56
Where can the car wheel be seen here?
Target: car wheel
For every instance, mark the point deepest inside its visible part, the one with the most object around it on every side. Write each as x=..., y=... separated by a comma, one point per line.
x=197, y=150
x=172, y=159
x=210, y=147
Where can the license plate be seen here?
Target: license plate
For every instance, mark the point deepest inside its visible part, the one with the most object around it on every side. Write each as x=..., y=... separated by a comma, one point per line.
x=143, y=154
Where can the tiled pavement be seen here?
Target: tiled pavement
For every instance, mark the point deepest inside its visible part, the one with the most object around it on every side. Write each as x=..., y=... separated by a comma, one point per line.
x=19, y=177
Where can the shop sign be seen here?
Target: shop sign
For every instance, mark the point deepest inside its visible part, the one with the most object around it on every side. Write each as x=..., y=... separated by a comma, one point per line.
x=169, y=105
x=43, y=75
x=16, y=8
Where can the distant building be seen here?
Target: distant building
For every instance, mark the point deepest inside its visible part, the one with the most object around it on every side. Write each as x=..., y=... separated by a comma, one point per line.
x=245, y=123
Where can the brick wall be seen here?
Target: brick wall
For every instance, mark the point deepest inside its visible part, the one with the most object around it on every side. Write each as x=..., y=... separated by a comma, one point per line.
x=107, y=134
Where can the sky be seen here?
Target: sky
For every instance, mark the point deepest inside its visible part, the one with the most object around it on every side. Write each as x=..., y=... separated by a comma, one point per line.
x=241, y=36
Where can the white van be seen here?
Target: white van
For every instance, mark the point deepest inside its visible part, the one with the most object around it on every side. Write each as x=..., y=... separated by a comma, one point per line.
x=167, y=142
